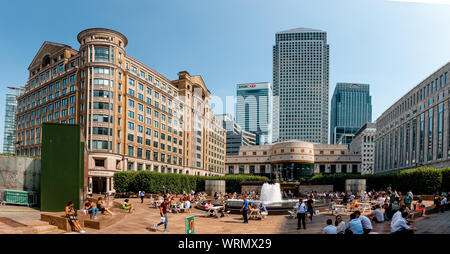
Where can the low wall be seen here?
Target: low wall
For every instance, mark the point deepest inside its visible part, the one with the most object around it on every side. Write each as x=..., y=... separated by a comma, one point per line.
x=212, y=186
x=20, y=173
x=317, y=188
x=355, y=185
x=250, y=188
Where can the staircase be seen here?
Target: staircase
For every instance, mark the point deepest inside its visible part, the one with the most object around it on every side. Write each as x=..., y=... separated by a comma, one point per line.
x=42, y=227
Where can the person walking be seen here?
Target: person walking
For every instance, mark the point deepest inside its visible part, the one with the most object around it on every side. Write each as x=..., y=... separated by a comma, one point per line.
x=310, y=206
x=301, y=214
x=244, y=209
x=142, y=195
x=163, y=213
x=408, y=200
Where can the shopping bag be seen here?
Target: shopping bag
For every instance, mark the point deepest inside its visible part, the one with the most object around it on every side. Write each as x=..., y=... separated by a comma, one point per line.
x=163, y=219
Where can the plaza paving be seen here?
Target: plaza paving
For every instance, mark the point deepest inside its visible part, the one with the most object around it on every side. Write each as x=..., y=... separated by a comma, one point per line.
x=142, y=220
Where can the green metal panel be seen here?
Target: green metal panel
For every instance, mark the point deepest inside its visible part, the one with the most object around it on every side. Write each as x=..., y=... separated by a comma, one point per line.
x=62, y=167
x=16, y=197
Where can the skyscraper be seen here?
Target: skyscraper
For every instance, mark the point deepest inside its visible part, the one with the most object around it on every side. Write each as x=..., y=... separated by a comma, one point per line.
x=300, y=85
x=351, y=108
x=9, y=134
x=254, y=110
x=236, y=137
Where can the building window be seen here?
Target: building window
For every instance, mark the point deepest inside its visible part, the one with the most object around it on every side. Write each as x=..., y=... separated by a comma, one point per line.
x=100, y=162
x=101, y=54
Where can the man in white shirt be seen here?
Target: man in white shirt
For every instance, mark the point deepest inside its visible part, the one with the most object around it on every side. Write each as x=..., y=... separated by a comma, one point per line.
x=301, y=214
x=444, y=204
x=329, y=229
x=187, y=204
x=377, y=214
x=366, y=223
x=397, y=215
x=401, y=225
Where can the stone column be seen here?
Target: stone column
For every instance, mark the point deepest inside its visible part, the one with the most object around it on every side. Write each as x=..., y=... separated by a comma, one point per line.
x=108, y=180
x=90, y=185
x=112, y=184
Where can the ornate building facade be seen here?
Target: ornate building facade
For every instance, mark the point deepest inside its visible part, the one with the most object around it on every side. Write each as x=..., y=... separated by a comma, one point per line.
x=133, y=117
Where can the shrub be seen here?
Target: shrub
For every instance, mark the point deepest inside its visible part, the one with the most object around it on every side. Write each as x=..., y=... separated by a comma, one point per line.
x=445, y=186
x=422, y=180
x=155, y=182
x=122, y=181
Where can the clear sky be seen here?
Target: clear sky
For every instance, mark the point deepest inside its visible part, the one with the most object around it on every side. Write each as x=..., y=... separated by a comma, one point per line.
x=392, y=45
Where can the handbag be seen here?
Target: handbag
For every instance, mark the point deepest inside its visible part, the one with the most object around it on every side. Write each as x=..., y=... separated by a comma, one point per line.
x=163, y=219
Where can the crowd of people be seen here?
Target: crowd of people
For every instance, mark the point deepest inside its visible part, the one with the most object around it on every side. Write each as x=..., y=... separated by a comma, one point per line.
x=389, y=206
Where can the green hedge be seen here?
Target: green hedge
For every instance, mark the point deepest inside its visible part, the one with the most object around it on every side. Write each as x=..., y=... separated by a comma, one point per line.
x=446, y=179
x=154, y=182
x=422, y=180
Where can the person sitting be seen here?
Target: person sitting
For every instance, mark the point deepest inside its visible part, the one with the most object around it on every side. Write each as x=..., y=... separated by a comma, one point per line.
x=208, y=205
x=354, y=226
x=377, y=214
x=71, y=216
x=263, y=210
x=340, y=225
x=91, y=210
x=444, y=204
x=400, y=225
x=127, y=206
x=101, y=208
x=420, y=207
x=224, y=209
x=329, y=229
x=187, y=204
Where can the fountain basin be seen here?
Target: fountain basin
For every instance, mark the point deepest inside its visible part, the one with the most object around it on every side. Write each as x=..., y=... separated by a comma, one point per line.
x=273, y=207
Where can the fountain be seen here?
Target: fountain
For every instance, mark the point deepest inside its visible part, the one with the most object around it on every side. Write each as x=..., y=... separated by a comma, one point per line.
x=270, y=196
x=270, y=193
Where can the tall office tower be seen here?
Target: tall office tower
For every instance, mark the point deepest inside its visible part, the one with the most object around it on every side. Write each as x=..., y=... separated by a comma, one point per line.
x=300, y=85
x=254, y=110
x=351, y=108
x=236, y=137
x=9, y=134
x=132, y=117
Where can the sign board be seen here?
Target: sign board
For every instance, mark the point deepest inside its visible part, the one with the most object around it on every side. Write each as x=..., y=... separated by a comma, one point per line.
x=253, y=86
x=190, y=229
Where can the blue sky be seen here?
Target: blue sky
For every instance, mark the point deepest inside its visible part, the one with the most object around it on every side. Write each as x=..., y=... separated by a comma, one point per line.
x=392, y=45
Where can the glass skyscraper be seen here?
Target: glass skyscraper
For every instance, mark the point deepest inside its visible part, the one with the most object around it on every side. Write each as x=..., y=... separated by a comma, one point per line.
x=351, y=108
x=254, y=110
x=300, y=85
x=9, y=134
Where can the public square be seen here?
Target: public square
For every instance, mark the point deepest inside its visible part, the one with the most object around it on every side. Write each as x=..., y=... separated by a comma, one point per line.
x=142, y=220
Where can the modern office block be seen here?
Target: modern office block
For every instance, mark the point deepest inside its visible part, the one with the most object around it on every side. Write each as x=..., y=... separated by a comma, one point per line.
x=300, y=85
x=351, y=108
x=415, y=130
x=254, y=110
x=9, y=133
x=236, y=137
x=363, y=143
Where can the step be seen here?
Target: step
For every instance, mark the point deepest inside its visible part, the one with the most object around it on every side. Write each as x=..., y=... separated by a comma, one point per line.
x=44, y=228
x=54, y=231
x=32, y=223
